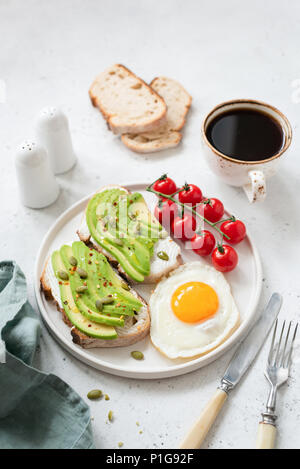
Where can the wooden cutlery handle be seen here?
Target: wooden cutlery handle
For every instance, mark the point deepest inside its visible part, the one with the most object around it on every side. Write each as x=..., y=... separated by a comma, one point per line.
x=198, y=432
x=266, y=436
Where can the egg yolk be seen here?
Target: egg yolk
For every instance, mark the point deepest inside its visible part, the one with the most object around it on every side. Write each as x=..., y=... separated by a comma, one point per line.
x=194, y=302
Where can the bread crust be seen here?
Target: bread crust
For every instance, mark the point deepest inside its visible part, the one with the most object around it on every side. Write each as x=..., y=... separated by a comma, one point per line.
x=187, y=106
x=169, y=140
x=152, y=123
x=152, y=278
x=84, y=340
x=169, y=135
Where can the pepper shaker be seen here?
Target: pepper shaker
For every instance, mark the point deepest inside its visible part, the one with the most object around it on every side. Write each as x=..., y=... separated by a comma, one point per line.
x=52, y=130
x=37, y=184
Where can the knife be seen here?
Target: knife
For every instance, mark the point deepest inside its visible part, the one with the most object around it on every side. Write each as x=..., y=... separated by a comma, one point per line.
x=241, y=361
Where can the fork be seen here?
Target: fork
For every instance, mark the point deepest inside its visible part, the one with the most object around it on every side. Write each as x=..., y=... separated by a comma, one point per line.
x=277, y=373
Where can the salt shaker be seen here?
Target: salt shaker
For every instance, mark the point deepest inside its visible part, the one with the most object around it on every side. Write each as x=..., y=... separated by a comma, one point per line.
x=37, y=184
x=52, y=131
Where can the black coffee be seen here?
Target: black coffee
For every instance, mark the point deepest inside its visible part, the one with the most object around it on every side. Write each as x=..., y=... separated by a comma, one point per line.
x=246, y=135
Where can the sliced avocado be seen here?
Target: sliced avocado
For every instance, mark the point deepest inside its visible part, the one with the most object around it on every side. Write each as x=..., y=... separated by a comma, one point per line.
x=122, y=224
x=99, y=273
x=98, y=234
x=85, y=302
x=92, y=329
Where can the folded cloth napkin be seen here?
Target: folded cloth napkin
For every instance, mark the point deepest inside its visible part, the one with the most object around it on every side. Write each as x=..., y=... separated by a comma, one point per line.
x=37, y=411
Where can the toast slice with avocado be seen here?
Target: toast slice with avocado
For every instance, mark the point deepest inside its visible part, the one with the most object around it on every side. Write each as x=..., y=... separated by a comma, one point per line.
x=168, y=135
x=119, y=224
x=99, y=306
x=126, y=102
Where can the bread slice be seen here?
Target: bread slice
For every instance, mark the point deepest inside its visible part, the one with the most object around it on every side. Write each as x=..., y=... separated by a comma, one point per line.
x=135, y=329
x=178, y=102
x=126, y=102
x=159, y=268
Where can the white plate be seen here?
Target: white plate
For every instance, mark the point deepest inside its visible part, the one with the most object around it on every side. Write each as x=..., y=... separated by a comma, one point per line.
x=245, y=281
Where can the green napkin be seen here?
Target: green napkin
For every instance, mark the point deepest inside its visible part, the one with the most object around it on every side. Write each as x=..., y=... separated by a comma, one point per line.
x=37, y=410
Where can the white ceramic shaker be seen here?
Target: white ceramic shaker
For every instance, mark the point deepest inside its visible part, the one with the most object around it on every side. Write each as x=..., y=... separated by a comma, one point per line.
x=37, y=185
x=52, y=131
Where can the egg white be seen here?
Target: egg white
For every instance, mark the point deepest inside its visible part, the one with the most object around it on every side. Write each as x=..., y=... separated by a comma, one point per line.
x=178, y=339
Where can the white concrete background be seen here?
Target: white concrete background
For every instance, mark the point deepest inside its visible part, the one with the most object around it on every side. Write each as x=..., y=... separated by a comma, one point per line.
x=50, y=52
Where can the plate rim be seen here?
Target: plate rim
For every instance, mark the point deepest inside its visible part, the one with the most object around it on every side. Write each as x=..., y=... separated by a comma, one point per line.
x=157, y=373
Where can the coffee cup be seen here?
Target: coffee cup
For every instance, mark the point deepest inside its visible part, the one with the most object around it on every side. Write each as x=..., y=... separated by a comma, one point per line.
x=232, y=161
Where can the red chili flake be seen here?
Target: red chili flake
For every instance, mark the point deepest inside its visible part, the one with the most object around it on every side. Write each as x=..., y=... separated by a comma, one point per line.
x=89, y=262
x=84, y=283
x=110, y=284
x=89, y=325
x=105, y=284
x=118, y=305
x=115, y=204
x=91, y=254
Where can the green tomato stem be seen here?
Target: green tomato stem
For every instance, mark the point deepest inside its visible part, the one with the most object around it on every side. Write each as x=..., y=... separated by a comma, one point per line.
x=232, y=218
x=170, y=197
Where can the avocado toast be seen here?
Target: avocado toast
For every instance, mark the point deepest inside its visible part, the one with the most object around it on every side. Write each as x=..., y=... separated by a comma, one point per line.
x=119, y=224
x=99, y=306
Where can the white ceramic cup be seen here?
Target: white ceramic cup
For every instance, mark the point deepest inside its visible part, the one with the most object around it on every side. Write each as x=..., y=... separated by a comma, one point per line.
x=251, y=175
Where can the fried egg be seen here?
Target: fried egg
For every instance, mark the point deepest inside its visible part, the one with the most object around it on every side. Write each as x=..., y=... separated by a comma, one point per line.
x=192, y=311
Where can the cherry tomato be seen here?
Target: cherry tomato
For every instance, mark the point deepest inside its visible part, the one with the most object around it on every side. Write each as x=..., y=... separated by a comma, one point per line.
x=213, y=210
x=184, y=227
x=165, y=185
x=203, y=243
x=165, y=212
x=191, y=194
x=235, y=229
x=224, y=258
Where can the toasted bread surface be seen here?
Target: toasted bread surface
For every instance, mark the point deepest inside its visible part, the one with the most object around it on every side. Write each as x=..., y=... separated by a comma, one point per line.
x=126, y=102
x=167, y=136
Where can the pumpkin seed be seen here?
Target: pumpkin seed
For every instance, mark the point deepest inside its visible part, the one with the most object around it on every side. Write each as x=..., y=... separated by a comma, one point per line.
x=106, y=397
x=95, y=394
x=163, y=255
x=137, y=355
x=82, y=273
x=125, y=286
x=63, y=275
x=110, y=415
x=73, y=261
x=107, y=300
x=81, y=289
